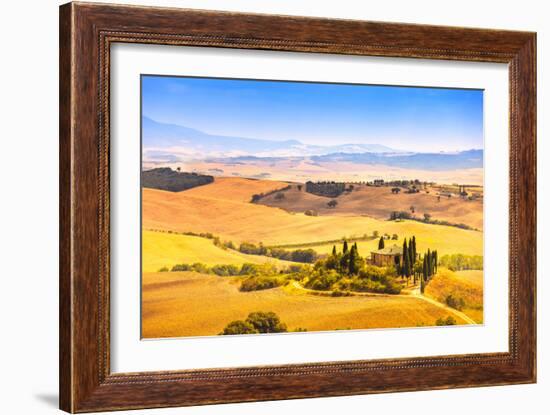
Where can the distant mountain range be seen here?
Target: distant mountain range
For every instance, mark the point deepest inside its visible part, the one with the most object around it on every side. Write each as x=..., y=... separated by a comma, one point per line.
x=170, y=143
x=158, y=135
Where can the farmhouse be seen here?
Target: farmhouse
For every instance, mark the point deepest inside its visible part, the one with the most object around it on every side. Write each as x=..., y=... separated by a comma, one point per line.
x=387, y=256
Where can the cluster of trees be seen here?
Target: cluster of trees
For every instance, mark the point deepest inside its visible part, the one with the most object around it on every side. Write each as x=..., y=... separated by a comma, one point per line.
x=257, y=322
x=226, y=270
x=449, y=321
x=406, y=268
x=395, y=215
x=165, y=178
x=429, y=268
x=307, y=256
x=348, y=271
x=259, y=196
x=400, y=215
x=459, y=262
x=261, y=282
x=327, y=189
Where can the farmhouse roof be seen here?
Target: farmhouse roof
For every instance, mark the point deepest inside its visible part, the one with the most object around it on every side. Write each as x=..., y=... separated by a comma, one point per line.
x=390, y=250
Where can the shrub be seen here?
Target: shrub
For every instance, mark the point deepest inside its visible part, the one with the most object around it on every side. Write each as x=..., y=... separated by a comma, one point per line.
x=164, y=269
x=458, y=262
x=304, y=255
x=449, y=321
x=280, y=253
x=181, y=267
x=311, y=212
x=239, y=327
x=257, y=283
x=266, y=322
x=323, y=280
x=455, y=302
x=225, y=270
x=200, y=268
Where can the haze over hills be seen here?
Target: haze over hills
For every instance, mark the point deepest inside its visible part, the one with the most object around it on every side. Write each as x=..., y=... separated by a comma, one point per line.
x=158, y=135
x=168, y=144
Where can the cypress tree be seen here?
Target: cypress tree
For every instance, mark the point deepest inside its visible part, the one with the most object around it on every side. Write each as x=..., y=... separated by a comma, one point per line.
x=411, y=255
x=429, y=263
x=397, y=264
x=425, y=268
x=352, y=260
x=333, y=250
x=404, y=268
x=414, y=248
x=381, y=243
x=435, y=261
x=345, y=249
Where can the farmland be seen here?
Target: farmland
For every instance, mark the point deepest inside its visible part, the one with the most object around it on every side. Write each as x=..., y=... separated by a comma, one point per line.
x=233, y=218
x=465, y=285
x=162, y=249
x=191, y=304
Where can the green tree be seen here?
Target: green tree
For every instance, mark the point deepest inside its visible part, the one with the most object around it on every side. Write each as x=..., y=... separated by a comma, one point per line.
x=352, y=262
x=425, y=269
x=345, y=248
x=381, y=243
x=405, y=271
x=266, y=322
x=239, y=327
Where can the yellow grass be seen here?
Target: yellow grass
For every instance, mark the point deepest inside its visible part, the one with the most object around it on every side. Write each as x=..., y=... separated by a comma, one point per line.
x=189, y=304
x=467, y=285
x=212, y=209
x=161, y=249
x=378, y=202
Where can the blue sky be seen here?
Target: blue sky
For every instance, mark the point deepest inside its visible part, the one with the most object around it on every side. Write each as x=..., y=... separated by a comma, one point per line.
x=406, y=118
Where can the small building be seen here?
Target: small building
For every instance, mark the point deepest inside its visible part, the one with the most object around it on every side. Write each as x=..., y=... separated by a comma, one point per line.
x=387, y=256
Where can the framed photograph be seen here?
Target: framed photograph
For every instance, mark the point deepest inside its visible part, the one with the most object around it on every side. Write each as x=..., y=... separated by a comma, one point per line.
x=260, y=207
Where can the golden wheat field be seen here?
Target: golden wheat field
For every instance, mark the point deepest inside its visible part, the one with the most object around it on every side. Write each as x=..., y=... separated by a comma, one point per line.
x=162, y=249
x=212, y=209
x=467, y=285
x=377, y=202
x=191, y=304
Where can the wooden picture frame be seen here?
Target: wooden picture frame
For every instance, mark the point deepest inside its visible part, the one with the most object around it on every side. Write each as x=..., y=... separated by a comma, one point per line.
x=86, y=33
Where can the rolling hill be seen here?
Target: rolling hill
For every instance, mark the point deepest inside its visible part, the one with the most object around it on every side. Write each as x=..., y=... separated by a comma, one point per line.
x=378, y=202
x=190, y=304
x=162, y=249
x=222, y=208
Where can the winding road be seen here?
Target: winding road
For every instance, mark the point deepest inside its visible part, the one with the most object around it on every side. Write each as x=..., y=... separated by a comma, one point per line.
x=413, y=292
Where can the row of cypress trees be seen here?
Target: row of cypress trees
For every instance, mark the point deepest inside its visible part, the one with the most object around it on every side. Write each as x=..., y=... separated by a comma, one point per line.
x=348, y=262
x=409, y=258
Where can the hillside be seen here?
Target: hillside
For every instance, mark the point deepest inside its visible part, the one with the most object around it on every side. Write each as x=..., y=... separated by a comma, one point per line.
x=161, y=249
x=228, y=214
x=190, y=304
x=379, y=202
x=465, y=285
